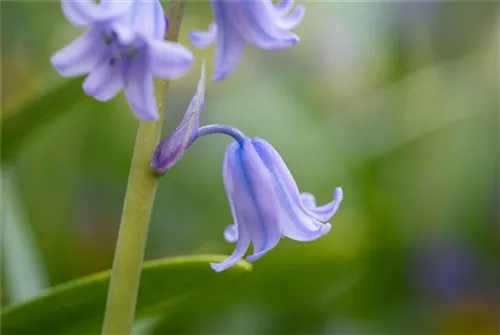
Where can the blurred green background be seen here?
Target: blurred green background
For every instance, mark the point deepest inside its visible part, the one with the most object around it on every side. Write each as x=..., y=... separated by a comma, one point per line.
x=398, y=103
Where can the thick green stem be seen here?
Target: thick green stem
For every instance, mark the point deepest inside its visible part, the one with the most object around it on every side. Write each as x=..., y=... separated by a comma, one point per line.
x=139, y=199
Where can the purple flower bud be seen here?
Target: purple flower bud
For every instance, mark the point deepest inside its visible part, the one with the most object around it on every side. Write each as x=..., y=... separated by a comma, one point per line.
x=171, y=149
x=258, y=22
x=123, y=48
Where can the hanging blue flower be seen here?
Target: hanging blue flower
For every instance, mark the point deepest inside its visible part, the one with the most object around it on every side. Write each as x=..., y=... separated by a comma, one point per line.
x=259, y=22
x=264, y=198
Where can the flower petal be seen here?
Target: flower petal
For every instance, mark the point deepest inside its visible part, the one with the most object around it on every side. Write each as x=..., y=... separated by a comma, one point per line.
x=325, y=212
x=169, y=60
x=258, y=23
x=308, y=199
x=284, y=6
x=237, y=229
x=104, y=82
x=254, y=199
x=296, y=223
x=148, y=17
x=238, y=253
x=79, y=57
x=80, y=13
x=202, y=39
x=230, y=44
x=231, y=233
x=87, y=12
x=293, y=20
x=139, y=89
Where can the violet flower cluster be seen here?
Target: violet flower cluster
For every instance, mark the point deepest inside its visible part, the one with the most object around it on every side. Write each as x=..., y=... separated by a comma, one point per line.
x=263, y=196
x=124, y=46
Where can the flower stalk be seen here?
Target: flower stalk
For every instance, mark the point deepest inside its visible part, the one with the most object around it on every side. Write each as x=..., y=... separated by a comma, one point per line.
x=137, y=208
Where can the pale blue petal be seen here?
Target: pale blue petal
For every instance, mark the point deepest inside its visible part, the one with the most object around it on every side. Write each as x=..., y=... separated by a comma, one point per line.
x=293, y=20
x=298, y=232
x=284, y=6
x=87, y=12
x=77, y=58
x=238, y=253
x=295, y=222
x=308, y=199
x=325, y=212
x=104, y=82
x=243, y=242
x=112, y=9
x=126, y=34
x=148, y=17
x=139, y=90
x=231, y=233
x=257, y=22
x=169, y=60
x=255, y=200
x=80, y=13
x=202, y=39
x=230, y=44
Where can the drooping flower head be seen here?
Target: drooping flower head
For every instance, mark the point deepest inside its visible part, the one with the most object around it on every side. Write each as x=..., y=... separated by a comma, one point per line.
x=266, y=202
x=259, y=22
x=263, y=196
x=123, y=48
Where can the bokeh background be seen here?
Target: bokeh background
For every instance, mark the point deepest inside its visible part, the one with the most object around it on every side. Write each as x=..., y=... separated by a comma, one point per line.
x=397, y=103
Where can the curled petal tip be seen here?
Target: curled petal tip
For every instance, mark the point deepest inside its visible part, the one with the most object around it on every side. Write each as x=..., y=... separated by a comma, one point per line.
x=338, y=194
x=201, y=39
x=231, y=233
x=255, y=257
x=217, y=267
x=324, y=229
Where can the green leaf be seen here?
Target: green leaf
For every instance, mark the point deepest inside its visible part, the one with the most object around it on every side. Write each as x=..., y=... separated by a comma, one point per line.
x=45, y=103
x=77, y=307
x=25, y=276
x=293, y=286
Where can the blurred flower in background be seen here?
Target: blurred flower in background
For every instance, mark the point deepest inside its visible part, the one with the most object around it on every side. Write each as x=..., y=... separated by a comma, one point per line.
x=261, y=23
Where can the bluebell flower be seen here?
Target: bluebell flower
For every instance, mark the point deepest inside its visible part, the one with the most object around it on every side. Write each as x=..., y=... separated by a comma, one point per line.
x=266, y=202
x=263, y=196
x=259, y=22
x=123, y=48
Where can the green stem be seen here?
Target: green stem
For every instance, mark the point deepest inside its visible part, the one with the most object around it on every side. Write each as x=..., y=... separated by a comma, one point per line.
x=139, y=199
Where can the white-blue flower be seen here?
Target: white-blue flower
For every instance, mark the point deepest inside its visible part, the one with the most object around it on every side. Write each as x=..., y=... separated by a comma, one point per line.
x=259, y=22
x=123, y=48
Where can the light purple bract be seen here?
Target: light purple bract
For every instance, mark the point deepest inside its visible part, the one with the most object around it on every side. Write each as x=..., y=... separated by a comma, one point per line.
x=172, y=148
